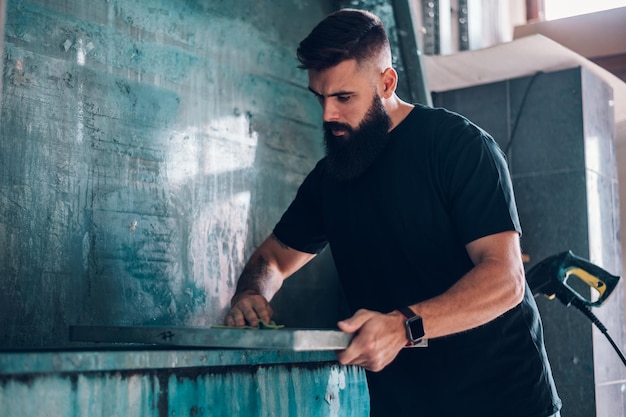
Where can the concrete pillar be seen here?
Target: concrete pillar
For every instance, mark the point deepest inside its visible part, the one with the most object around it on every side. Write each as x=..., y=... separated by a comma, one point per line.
x=558, y=131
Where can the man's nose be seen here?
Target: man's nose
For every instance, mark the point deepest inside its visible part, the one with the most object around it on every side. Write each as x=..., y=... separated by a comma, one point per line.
x=330, y=112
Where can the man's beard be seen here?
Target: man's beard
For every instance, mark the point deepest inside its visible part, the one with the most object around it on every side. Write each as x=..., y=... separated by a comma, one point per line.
x=350, y=155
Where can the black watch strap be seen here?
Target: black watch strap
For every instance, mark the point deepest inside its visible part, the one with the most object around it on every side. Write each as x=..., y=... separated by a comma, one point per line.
x=407, y=312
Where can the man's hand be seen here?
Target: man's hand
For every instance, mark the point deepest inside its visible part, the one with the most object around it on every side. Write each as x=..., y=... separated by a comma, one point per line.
x=248, y=308
x=378, y=340
x=262, y=276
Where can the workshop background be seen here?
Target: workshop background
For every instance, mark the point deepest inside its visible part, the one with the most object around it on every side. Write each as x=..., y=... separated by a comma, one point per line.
x=148, y=146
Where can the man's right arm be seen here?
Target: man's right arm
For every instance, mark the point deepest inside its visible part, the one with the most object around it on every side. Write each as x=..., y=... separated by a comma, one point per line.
x=261, y=278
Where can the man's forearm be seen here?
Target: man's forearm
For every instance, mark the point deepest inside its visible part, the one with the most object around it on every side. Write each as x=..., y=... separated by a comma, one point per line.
x=268, y=266
x=495, y=285
x=257, y=278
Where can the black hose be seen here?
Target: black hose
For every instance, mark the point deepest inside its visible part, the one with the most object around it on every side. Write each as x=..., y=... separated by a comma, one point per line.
x=587, y=312
x=520, y=111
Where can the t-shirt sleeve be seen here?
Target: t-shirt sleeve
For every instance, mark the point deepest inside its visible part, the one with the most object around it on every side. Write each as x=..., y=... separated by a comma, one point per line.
x=478, y=184
x=301, y=226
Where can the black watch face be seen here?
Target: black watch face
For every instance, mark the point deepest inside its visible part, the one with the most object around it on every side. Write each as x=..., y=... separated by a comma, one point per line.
x=416, y=327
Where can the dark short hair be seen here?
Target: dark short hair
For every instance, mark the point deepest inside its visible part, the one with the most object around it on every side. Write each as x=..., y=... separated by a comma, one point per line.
x=343, y=35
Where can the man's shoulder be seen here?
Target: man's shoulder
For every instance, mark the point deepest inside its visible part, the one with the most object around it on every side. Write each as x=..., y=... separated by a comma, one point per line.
x=435, y=125
x=425, y=117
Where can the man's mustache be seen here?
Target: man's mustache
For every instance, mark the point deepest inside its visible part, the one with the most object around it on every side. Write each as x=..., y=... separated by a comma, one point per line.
x=328, y=126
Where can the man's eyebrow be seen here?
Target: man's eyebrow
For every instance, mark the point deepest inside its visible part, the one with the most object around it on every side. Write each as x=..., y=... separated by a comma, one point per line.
x=338, y=93
x=314, y=92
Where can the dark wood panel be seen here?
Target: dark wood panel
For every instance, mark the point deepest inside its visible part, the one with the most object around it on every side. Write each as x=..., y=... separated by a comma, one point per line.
x=615, y=64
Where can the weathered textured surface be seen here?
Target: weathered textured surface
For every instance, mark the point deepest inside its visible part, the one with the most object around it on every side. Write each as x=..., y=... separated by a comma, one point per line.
x=127, y=357
x=194, y=386
x=146, y=148
x=289, y=339
x=2, y=9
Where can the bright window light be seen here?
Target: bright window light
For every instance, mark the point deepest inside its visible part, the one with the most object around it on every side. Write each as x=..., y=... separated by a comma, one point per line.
x=557, y=9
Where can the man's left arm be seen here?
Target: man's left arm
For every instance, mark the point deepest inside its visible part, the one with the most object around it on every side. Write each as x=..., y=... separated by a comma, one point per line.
x=492, y=287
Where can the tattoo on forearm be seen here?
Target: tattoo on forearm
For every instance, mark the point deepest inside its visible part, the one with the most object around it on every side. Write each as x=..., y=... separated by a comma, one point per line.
x=253, y=275
x=282, y=245
x=258, y=277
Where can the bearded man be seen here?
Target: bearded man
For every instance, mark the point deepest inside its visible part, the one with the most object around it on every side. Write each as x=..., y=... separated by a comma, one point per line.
x=418, y=208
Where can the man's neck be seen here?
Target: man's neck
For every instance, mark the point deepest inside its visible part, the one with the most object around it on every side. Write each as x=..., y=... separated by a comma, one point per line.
x=397, y=110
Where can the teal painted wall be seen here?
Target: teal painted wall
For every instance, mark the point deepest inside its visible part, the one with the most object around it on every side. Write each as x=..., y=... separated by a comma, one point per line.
x=263, y=392
x=104, y=384
x=146, y=148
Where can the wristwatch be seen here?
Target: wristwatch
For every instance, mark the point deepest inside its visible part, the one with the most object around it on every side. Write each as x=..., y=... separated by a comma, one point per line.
x=414, y=326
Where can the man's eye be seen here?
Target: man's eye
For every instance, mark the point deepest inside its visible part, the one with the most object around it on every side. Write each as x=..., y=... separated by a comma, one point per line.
x=344, y=99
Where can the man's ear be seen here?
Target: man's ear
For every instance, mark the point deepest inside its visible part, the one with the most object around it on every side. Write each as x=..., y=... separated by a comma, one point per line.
x=390, y=82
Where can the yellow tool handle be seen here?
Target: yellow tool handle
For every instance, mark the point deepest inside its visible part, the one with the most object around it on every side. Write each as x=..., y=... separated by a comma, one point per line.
x=588, y=278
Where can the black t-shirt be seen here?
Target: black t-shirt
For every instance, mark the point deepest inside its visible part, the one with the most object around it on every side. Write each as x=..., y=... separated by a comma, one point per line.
x=398, y=236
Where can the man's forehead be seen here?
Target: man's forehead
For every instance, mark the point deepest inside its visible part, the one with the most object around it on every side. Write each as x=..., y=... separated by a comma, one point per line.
x=343, y=78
